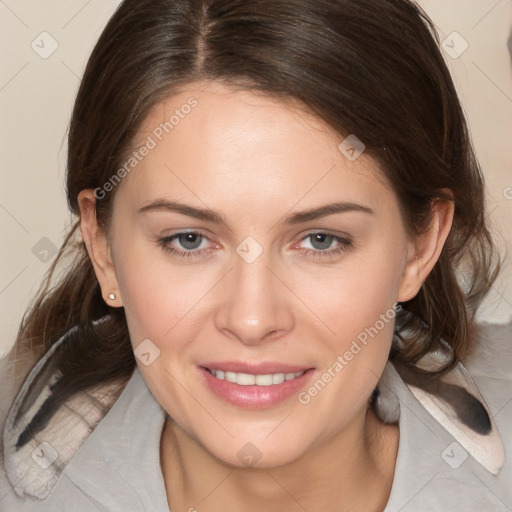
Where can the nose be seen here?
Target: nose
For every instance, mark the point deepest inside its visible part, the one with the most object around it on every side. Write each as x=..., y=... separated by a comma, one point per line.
x=256, y=306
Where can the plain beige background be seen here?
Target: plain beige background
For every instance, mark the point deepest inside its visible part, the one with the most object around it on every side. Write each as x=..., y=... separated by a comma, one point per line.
x=45, y=46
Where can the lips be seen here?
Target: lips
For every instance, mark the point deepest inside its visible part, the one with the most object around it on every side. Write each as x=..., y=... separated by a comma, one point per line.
x=254, y=386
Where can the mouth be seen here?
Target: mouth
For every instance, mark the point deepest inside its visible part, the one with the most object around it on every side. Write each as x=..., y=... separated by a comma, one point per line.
x=254, y=386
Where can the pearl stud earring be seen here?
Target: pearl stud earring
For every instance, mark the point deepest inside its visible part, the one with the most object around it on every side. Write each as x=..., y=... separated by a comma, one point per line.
x=112, y=296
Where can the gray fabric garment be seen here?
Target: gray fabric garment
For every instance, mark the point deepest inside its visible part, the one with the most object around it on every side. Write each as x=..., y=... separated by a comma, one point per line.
x=118, y=468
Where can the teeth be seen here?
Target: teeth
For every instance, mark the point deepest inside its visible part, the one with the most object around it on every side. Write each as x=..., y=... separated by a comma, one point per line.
x=278, y=378
x=246, y=379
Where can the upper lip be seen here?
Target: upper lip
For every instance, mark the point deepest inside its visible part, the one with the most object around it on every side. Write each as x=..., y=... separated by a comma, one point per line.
x=262, y=368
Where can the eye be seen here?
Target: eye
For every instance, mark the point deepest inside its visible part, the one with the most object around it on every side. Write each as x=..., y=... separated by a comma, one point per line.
x=185, y=244
x=326, y=245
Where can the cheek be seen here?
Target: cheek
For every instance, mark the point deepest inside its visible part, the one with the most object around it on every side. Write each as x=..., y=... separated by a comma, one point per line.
x=155, y=297
x=356, y=306
x=161, y=305
x=350, y=298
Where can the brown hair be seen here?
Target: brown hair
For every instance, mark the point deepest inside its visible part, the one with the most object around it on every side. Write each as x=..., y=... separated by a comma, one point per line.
x=368, y=67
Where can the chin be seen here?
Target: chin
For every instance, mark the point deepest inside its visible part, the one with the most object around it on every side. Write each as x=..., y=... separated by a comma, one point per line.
x=254, y=454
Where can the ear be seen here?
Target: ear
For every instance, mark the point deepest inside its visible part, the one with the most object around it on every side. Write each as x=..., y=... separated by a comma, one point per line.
x=98, y=247
x=424, y=251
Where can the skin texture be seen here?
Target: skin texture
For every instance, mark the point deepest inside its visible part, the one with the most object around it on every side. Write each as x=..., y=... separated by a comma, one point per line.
x=256, y=160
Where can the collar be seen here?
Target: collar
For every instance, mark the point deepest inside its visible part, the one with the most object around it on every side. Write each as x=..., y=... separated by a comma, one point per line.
x=454, y=402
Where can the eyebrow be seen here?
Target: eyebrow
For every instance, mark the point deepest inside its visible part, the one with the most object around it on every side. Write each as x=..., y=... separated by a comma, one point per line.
x=295, y=218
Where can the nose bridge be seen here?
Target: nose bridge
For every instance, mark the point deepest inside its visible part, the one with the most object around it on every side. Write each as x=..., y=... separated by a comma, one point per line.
x=255, y=302
x=252, y=279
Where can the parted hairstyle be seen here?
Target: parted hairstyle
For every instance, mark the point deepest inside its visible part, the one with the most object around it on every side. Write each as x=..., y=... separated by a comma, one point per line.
x=372, y=68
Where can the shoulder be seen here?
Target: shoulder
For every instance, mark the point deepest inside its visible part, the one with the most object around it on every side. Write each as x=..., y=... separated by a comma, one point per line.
x=13, y=370
x=26, y=389
x=490, y=366
x=491, y=357
x=442, y=463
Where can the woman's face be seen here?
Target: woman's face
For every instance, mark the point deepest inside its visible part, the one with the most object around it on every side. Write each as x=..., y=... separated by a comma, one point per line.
x=271, y=279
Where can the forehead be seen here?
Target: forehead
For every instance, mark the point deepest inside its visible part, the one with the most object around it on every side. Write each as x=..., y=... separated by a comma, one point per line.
x=211, y=138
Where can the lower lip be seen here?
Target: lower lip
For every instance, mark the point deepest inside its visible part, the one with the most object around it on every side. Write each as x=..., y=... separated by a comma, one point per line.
x=254, y=397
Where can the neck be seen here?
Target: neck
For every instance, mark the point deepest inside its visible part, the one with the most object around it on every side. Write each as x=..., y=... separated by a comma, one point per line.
x=353, y=471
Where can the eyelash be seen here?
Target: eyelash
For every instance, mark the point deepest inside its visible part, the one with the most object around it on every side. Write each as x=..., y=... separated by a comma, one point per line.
x=345, y=245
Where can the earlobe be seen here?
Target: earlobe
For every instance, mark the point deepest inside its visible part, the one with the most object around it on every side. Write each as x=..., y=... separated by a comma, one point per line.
x=98, y=248
x=425, y=250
